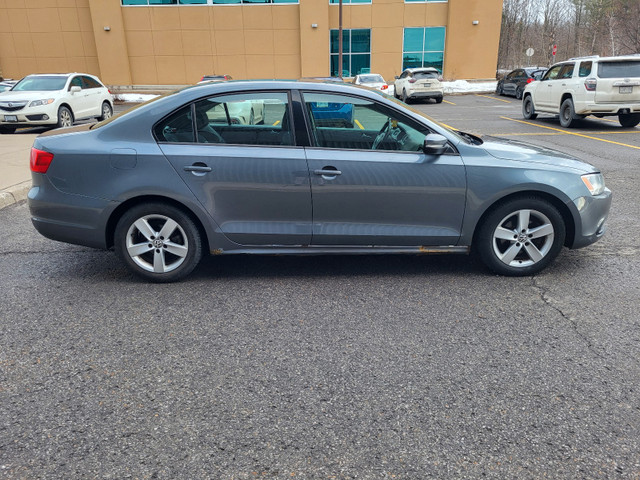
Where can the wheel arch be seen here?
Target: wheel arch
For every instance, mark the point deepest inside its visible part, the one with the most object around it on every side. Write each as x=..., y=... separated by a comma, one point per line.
x=567, y=217
x=68, y=107
x=121, y=209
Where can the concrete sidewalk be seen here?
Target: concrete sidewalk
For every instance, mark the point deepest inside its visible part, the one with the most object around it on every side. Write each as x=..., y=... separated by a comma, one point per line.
x=15, y=175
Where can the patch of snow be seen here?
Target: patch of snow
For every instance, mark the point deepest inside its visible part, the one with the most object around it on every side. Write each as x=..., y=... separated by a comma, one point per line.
x=462, y=86
x=133, y=97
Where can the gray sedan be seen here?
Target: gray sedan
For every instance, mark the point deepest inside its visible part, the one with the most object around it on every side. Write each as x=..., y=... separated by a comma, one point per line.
x=173, y=178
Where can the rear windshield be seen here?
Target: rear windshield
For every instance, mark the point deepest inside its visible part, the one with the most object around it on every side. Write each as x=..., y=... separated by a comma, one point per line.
x=40, y=84
x=623, y=69
x=419, y=75
x=371, y=79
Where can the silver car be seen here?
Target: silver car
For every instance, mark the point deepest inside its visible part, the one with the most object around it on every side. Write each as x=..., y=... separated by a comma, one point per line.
x=162, y=183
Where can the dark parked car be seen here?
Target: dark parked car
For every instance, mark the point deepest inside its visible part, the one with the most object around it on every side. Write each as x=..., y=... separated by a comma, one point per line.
x=514, y=82
x=163, y=183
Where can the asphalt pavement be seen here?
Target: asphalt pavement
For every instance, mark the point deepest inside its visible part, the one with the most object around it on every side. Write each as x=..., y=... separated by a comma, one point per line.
x=371, y=367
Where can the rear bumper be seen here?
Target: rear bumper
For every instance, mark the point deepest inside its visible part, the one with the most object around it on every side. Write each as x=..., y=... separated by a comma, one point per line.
x=593, y=213
x=66, y=217
x=431, y=94
x=606, y=108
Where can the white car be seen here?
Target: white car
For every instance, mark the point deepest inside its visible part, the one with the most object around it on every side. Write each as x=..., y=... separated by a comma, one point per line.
x=374, y=80
x=55, y=99
x=575, y=88
x=418, y=84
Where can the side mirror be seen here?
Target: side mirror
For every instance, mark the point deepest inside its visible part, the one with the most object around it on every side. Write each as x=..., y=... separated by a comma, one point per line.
x=435, y=144
x=75, y=89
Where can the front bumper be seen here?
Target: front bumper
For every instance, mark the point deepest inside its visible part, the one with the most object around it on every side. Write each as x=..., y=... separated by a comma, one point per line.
x=30, y=116
x=592, y=212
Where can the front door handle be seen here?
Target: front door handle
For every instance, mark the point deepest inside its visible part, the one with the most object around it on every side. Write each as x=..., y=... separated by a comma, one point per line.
x=197, y=168
x=327, y=172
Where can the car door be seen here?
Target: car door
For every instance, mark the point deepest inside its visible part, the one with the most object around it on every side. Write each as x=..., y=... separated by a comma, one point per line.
x=542, y=97
x=93, y=96
x=371, y=183
x=560, y=85
x=399, y=84
x=77, y=100
x=252, y=179
x=510, y=83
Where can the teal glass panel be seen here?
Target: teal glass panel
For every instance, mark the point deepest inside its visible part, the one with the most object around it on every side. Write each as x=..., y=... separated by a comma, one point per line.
x=134, y=2
x=334, y=41
x=360, y=1
x=361, y=40
x=163, y=2
x=193, y=2
x=433, y=59
x=286, y=1
x=225, y=1
x=433, y=39
x=411, y=60
x=413, y=39
x=345, y=66
x=360, y=63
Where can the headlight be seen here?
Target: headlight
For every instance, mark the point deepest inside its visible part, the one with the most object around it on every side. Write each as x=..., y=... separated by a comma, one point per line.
x=38, y=103
x=594, y=182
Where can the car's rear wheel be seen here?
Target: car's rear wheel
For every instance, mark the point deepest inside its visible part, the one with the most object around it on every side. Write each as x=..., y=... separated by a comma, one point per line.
x=519, y=93
x=567, y=113
x=107, y=111
x=438, y=99
x=158, y=242
x=520, y=237
x=405, y=98
x=499, y=90
x=65, y=117
x=629, y=120
x=528, y=110
x=7, y=129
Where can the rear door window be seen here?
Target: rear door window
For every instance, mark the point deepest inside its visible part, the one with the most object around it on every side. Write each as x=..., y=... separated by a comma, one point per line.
x=585, y=69
x=620, y=69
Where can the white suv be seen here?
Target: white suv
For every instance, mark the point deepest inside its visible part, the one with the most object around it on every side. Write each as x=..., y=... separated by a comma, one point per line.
x=56, y=99
x=587, y=86
x=418, y=83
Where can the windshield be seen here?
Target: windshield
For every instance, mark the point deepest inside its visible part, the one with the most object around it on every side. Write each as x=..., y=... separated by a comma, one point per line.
x=40, y=84
x=371, y=79
x=627, y=68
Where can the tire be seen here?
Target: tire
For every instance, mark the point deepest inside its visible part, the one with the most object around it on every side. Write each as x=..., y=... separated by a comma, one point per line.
x=7, y=130
x=520, y=237
x=438, y=99
x=567, y=114
x=499, y=90
x=107, y=111
x=65, y=117
x=519, y=93
x=154, y=257
x=405, y=98
x=528, y=110
x=629, y=120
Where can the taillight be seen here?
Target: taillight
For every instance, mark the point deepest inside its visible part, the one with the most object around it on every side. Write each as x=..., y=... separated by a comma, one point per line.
x=412, y=80
x=590, y=84
x=529, y=80
x=202, y=78
x=440, y=79
x=384, y=87
x=40, y=160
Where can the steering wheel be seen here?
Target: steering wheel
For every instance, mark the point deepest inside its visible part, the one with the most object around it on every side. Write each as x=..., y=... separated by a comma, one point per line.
x=382, y=135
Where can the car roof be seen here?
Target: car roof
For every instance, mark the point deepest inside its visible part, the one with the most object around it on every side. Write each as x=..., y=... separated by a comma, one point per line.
x=421, y=69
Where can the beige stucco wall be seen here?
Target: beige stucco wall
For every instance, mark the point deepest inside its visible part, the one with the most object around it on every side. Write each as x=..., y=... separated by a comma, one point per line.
x=173, y=45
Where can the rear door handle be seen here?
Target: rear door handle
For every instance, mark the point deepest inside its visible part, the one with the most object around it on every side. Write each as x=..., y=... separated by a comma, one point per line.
x=327, y=173
x=197, y=168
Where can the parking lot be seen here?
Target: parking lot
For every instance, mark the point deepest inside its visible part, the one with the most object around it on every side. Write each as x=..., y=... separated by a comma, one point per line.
x=376, y=367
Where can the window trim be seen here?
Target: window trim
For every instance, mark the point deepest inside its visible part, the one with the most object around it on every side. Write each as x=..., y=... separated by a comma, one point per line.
x=192, y=106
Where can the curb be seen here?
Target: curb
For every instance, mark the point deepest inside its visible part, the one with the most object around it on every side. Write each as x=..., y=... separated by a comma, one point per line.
x=14, y=194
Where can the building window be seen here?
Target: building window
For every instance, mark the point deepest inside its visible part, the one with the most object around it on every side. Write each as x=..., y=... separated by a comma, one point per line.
x=349, y=1
x=423, y=47
x=356, y=52
x=202, y=2
x=425, y=1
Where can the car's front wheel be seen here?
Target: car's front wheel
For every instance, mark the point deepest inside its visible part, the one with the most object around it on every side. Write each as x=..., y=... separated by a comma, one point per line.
x=65, y=117
x=629, y=120
x=519, y=93
x=107, y=111
x=520, y=237
x=528, y=110
x=158, y=242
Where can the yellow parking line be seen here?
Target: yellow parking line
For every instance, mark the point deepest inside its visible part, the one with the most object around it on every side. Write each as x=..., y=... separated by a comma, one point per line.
x=572, y=133
x=277, y=122
x=448, y=126
x=554, y=133
x=359, y=124
x=493, y=98
x=450, y=103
